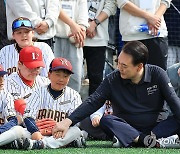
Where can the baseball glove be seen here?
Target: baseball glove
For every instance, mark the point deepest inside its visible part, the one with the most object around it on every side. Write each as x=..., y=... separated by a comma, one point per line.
x=45, y=126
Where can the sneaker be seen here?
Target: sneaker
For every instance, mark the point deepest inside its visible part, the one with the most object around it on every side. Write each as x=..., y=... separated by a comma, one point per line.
x=79, y=142
x=169, y=142
x=85, y=134
x=16, y=144
x=116, y=143
x=29, y=144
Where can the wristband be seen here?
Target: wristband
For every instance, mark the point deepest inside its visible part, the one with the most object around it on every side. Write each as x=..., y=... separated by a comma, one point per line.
x=97, y=21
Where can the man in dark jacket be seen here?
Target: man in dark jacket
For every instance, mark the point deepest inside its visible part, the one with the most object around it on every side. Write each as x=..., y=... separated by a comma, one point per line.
x=137, y=92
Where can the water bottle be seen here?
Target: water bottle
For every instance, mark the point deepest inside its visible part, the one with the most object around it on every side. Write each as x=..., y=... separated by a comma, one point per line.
x=144, y=28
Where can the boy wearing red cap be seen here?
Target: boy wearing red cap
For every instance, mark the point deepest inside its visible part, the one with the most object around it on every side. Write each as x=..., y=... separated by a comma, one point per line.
x=23, y=35
x=55, y=101
x=21, y=85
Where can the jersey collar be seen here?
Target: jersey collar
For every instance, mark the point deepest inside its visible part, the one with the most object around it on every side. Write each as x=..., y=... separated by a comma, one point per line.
x=27, y=82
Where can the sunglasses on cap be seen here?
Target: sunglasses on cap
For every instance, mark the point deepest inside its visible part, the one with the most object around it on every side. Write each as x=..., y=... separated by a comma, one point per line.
x=21, y=23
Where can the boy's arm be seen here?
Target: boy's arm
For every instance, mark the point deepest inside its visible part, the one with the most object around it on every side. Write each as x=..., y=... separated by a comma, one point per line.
x=99, y=112
x=32, y=128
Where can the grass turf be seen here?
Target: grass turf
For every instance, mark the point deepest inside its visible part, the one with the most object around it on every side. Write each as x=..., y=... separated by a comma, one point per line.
x=95, y=147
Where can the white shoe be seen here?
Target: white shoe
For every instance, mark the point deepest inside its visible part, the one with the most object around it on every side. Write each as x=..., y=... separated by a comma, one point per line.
x=85, y=134
x=116, y=143
x=169, y=142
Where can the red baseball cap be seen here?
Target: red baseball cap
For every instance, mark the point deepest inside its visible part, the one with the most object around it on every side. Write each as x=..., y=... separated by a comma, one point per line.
x=2, y=72
x=31, y=57
x=61, y=63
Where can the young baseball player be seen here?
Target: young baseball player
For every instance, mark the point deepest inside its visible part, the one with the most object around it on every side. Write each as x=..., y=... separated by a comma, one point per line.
x=8, y=120
x=23, y=35
x=51, y=104
x=22, y=84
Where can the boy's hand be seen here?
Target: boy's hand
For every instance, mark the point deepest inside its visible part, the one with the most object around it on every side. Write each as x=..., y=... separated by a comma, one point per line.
x=36, y=136
x=96, y=121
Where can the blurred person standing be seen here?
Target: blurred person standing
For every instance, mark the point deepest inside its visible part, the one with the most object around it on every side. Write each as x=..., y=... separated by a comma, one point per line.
x=69, y=39
x=42, y=13
x=135, y=13
x=3, y=28
x=97, y=39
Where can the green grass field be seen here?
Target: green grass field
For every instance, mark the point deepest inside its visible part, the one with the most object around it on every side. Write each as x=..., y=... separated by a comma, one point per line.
x=95, y=147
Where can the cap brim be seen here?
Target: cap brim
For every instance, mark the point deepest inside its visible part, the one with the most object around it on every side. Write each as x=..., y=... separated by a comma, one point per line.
x=61, y=68
x=22, y=27
x=3, y=73
x=34, y=64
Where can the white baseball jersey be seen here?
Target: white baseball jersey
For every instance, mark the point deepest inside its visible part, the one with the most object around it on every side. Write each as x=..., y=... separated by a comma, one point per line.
x=41, y=104
x=18, y=89
x=6, y=106
x=9, y=57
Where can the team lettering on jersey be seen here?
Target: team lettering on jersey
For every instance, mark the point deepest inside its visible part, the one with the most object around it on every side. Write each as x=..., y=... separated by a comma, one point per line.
x=52, y=114
x=11, y=70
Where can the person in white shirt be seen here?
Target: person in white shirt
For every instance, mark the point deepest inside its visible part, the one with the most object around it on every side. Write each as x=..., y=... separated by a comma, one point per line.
x=42, y=13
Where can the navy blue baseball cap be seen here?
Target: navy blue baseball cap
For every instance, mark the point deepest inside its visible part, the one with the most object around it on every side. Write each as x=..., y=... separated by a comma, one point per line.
x=21, y=22
x=2, y=72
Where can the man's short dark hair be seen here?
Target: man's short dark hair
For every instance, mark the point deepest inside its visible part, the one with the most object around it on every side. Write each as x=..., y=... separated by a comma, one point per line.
x=137, y=50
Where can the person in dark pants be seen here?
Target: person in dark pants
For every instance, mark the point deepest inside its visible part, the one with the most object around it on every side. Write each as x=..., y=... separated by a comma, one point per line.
x=137, y=92
x=94, y=51
x=97, y=38
x=135, y=13
x=3, y=27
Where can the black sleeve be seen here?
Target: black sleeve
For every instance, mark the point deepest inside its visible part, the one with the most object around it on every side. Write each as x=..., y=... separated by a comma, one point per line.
x=31, y=125
x=169, y=94
x=12, y=121
x=92, y=103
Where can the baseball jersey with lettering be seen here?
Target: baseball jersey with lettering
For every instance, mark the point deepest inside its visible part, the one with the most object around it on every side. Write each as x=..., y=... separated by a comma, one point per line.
x=18, y=89
x=6, y=106
x=42, y=104
x=9, y=57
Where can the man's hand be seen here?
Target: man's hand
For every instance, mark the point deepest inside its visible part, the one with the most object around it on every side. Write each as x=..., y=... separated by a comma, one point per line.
x=96, y=121
x=42, y=27
x=36, y=136
x=61, y=128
